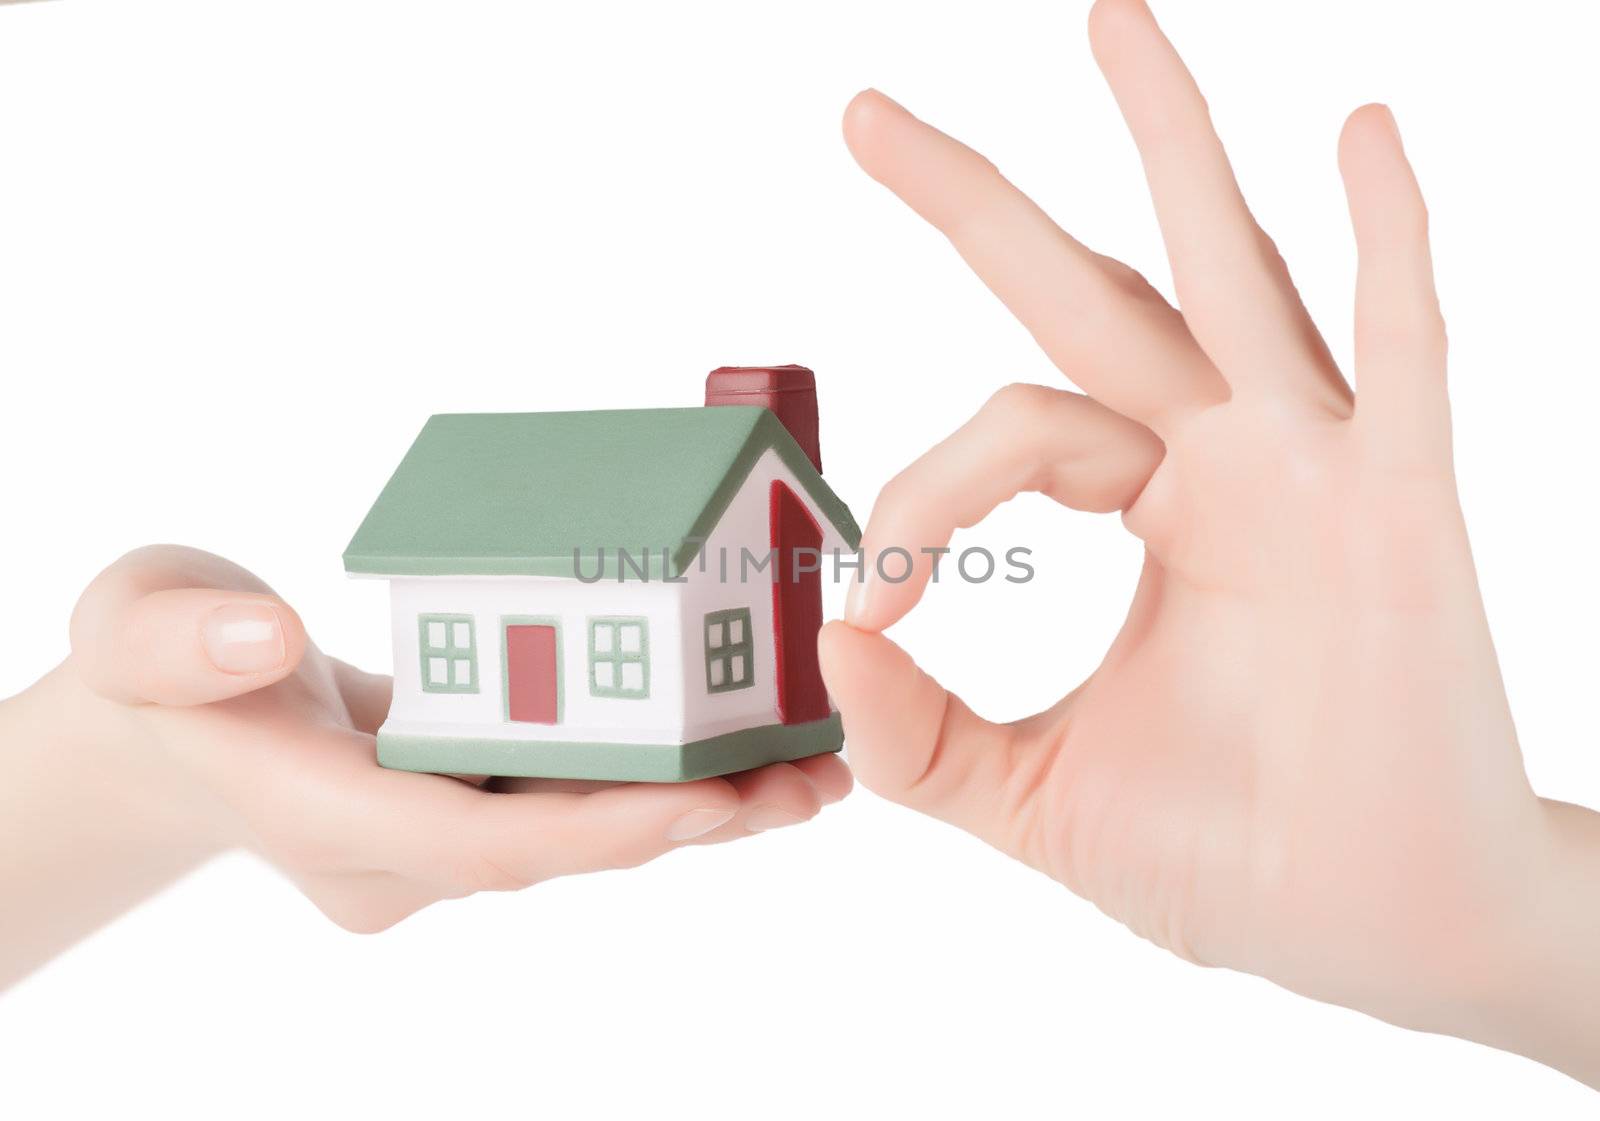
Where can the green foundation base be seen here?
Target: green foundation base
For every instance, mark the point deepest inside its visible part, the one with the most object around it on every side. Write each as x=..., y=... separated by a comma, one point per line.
x=620, y=762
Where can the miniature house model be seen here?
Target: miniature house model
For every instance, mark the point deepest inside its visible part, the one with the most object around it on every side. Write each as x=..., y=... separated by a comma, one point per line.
x=631, y=594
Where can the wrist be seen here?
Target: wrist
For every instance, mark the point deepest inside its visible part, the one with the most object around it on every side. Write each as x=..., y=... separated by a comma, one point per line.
x=1547, y=990
x=90, y=823
x=120, y=766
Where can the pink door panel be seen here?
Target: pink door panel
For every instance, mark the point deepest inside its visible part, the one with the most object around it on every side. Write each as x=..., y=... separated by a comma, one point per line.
x=531, y=673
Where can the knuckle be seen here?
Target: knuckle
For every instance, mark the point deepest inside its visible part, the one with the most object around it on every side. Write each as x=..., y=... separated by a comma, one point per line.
x=1101, y=495
x=1016, y=404
x=1123, y=280
x=1026, y=429
x=898, y=492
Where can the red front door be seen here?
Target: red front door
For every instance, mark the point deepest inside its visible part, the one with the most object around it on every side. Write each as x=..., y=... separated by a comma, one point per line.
x=531, y=673
x=796, y=607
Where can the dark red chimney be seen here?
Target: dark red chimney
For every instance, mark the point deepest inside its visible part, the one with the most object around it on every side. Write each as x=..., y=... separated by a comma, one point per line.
x=789, y=391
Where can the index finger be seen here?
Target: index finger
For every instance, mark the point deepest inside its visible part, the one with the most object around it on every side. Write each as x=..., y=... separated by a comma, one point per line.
x=1099, y=322
x=1027, y=438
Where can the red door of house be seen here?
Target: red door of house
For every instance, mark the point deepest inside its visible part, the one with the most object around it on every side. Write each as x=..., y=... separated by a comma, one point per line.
x=796, y=607
x=531, y=681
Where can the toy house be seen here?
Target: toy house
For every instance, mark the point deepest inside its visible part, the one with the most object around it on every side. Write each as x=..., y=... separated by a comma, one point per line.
x=628, y=594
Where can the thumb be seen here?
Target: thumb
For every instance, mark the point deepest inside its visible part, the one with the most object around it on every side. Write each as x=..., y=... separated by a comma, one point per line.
x=135, y=640
x=913, y=742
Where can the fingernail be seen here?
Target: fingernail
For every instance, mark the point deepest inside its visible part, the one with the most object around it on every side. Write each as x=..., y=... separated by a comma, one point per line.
x=857, y=599
x=244, y=638
x=763, y=818
x=697, y=823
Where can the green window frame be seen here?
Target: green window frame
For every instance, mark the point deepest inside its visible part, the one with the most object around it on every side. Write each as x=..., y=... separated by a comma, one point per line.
x=449, y=653
x=730, y=651
x=619, y=656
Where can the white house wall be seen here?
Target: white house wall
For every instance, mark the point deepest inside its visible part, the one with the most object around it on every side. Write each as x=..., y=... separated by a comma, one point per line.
x=746, y=523
x=657, y=718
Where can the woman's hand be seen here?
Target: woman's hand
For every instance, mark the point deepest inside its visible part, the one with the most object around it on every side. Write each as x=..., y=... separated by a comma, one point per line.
x=1297, y=758
x=194, y=716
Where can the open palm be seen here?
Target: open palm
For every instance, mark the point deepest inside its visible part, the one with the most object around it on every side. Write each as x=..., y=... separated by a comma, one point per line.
x=221, y=714
x=1297, y=758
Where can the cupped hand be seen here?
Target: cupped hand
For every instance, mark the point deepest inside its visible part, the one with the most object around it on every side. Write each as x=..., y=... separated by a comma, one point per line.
x=1297, y=758
x=204, y=686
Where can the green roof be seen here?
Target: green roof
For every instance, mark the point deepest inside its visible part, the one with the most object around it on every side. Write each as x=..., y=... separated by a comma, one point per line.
x=507, y=494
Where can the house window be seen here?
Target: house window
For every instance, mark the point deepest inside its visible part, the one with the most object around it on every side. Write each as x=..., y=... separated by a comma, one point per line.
x=449, y=653
x=619, y=656
x=729, y=651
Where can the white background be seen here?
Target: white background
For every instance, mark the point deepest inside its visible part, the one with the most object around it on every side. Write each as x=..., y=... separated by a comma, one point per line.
x=246, y=248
